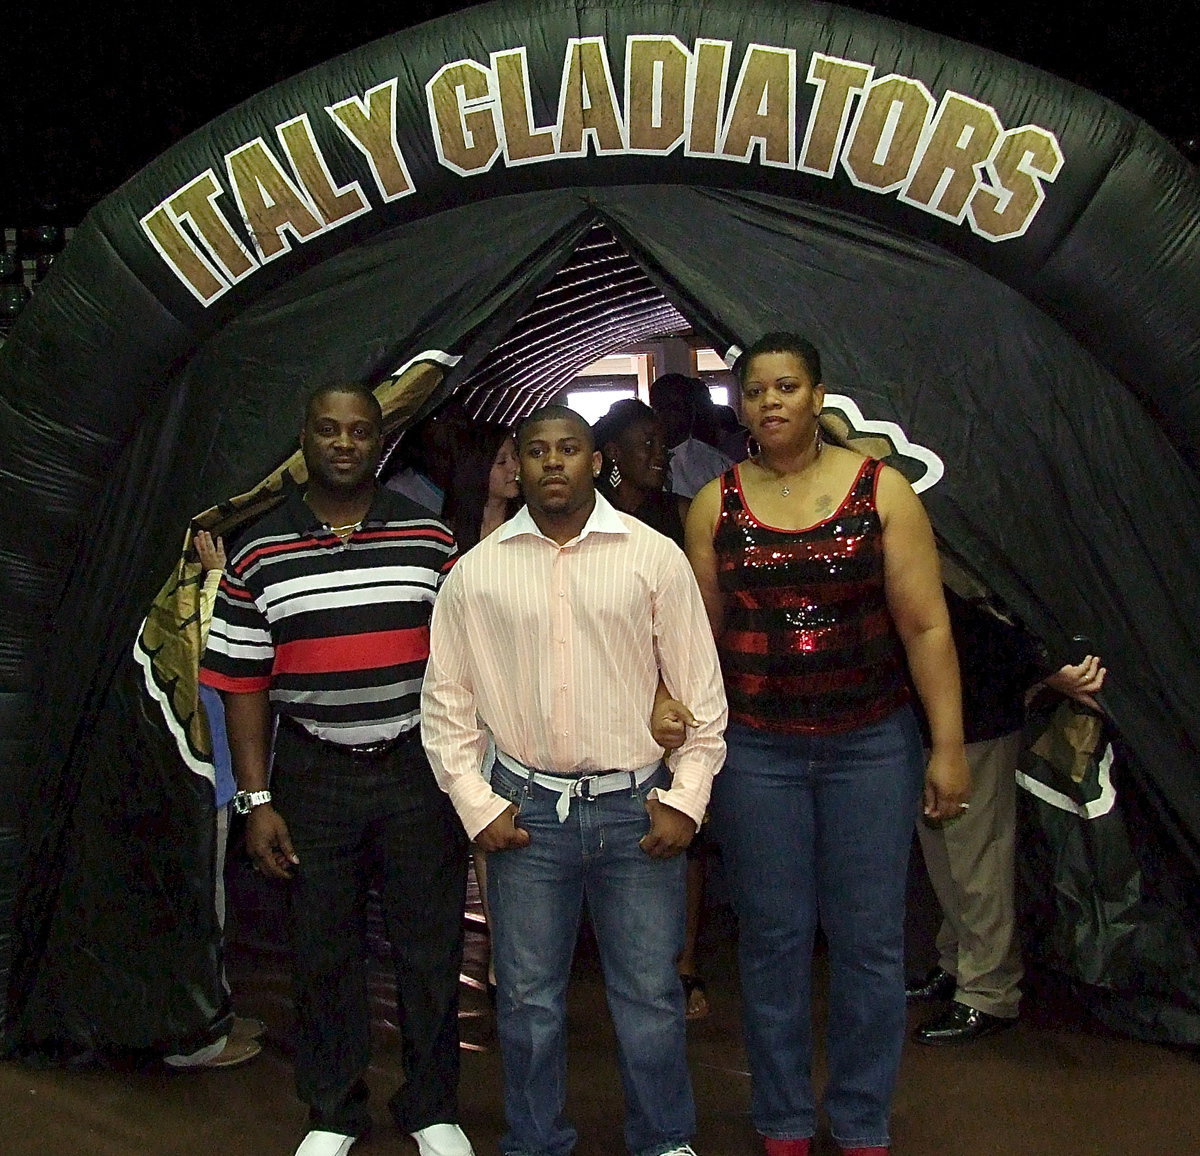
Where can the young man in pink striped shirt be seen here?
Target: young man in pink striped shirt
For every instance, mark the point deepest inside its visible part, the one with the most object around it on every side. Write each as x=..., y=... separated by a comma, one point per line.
x=548, y=641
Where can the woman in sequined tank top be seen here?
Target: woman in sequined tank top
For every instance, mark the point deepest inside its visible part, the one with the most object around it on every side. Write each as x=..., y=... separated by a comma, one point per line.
x=820, y=576
x=808, y=645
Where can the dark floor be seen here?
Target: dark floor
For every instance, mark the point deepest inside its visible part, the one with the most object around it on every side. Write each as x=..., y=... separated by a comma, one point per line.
x=1056, y=1085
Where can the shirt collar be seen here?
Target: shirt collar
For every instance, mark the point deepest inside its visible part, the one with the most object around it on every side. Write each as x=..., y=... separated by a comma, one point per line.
x=603, y=519
x=307, y=522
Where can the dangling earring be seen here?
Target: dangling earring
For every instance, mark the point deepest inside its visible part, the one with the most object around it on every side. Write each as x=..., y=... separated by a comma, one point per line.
x=818, y=442
x=614, y=476
x=752, y=447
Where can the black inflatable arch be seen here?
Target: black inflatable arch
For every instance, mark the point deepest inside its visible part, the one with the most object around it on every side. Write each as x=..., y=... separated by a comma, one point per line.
x=1000, y=265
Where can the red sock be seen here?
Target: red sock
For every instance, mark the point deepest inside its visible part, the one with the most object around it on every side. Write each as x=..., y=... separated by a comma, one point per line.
x=786, y=1147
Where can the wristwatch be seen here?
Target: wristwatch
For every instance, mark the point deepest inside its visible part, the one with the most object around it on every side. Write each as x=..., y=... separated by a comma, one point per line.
x=245, y=801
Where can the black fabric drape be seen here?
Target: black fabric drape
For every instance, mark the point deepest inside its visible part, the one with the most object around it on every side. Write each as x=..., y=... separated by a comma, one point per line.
x=115, y=941
x=1055, y=374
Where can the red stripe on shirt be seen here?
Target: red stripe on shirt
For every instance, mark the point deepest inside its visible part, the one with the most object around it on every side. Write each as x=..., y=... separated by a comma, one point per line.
x=423, y=533
x=238, y=593
x=220, y=681
x=266, y=551
x=352, y=651
x=426, y=533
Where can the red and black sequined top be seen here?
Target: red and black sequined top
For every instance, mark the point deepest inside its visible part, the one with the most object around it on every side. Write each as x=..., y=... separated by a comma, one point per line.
x=808, y=646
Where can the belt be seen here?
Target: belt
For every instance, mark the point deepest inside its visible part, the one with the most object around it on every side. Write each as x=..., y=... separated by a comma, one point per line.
x=581, y=786
x=366, y=752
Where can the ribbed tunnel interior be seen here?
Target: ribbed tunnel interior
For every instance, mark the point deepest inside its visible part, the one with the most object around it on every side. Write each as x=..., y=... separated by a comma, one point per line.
x=599, y=303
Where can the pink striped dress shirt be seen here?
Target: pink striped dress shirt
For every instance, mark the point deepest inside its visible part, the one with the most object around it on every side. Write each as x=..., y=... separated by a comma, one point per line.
x=556, y=651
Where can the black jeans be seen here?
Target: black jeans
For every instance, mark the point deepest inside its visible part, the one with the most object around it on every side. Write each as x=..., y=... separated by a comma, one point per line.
x=357, y=824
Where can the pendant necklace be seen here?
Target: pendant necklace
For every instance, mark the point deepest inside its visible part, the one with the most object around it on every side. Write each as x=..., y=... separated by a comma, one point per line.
x=784, y=489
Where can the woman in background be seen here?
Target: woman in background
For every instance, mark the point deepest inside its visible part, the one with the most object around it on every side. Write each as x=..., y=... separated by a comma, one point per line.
x=482, y=490
x=481, y=494
x=633, y=475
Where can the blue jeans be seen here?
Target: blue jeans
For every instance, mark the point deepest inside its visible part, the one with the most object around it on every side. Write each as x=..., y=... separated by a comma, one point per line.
x=819, y=828
x=636, y=904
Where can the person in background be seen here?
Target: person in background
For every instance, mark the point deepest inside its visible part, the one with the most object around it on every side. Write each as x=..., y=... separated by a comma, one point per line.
x=242, y=1042
x=550, y=637
x=420, y=466
x=685, y=408
x=481, y=494
x=323, y=619
x=481, y=489
x=732, y=437
x=971, y=858
x=821, y=579
x=633, y=472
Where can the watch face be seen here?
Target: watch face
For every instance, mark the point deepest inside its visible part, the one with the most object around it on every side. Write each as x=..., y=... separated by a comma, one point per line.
x=245, y=801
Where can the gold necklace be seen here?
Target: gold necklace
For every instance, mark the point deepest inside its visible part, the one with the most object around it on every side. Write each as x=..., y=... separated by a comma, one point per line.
x=341, y=531
x=784, y=489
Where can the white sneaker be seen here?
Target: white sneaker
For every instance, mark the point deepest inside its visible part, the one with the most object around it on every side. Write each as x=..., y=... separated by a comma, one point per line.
x=441, y=1140
x=682, y=1150
x=318, y=1143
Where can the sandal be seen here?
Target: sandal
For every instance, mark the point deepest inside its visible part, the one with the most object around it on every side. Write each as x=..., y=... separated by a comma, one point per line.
x=236, y=1051
x=695, y=997
x=247, y=1028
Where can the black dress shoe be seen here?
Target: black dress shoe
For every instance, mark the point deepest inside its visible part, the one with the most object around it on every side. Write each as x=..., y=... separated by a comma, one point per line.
x=937, y=985
x=960, y=1024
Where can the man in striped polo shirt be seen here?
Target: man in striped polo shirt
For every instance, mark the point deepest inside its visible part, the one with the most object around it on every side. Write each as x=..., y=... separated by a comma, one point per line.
x=322, y=621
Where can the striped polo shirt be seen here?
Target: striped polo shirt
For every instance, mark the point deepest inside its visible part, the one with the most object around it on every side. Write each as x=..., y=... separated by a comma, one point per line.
x=337, y=632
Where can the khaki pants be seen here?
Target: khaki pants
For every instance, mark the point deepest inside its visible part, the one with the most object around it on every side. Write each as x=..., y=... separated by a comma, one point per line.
x=970, y=864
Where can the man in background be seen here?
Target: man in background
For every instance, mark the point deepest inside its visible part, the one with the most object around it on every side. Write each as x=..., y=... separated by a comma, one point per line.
x=971, y=859
x=690, y=429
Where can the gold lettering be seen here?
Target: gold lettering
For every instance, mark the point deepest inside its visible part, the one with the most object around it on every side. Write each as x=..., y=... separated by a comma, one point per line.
x=269, y=200
x=588, y=102
x=886, y=133
x=836, y=81
x=656, y=74
x=463, y=117
x=764, y=107
x=521, y=142
x=1027, y=156
x=370, y=124
x=961, y=139
x=335, y=204
x=195, y=202
x=706, y=96
x=185, y=260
